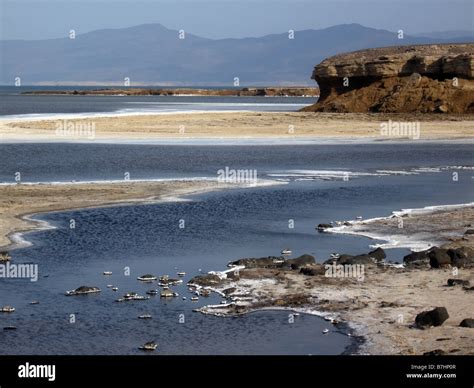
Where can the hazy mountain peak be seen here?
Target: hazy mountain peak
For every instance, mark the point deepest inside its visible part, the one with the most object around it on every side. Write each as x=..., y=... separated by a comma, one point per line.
x=154, y=54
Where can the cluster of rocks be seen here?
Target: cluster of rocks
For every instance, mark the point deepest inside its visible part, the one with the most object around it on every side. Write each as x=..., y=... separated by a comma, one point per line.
x=205, y=280
x=274, y=262
x=441, y=258
x=264, y=263
x=239, y=285
x=400, y=79
x=305, y=264
x=373, y=257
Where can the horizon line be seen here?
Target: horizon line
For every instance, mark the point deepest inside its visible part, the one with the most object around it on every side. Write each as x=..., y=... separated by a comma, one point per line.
x=416, y=35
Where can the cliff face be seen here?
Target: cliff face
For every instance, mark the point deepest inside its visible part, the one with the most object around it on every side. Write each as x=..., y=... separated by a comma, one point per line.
x=425, y=78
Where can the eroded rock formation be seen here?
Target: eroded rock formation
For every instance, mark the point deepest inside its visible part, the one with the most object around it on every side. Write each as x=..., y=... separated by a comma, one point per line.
x=401, y=79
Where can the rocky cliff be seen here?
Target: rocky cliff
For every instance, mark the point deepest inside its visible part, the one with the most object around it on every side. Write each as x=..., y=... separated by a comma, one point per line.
x=420, y=78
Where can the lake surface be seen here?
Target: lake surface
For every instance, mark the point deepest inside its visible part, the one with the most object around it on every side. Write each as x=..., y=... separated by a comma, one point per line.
x=219, y=226
x=14, y=104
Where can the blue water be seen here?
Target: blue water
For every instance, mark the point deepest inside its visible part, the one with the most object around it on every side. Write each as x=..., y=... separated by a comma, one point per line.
x=219, y=226
x=66, y=162
x=14, y=103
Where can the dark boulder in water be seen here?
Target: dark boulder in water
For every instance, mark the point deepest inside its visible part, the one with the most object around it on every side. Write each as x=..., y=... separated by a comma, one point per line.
x=323, y=227
x=83, y=290
x=147, y=277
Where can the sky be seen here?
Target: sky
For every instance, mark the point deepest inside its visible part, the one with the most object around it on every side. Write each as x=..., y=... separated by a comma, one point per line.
x=44, y=19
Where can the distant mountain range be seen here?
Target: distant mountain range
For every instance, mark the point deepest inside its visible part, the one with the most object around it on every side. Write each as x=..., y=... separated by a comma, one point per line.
x=152, y=54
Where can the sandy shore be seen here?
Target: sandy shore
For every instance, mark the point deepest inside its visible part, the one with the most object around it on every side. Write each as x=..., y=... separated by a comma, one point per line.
x=237, y=125
x=417, y=229
x=18, y=201
x=381, y=309
x=380, y=306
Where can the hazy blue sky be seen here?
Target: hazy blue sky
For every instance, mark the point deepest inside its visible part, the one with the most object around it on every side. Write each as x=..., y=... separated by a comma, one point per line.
x=38, y=19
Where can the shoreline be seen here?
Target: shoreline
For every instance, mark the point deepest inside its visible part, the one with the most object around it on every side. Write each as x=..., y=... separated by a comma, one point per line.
x=355, y=348
x=379, y=333
x=379, y=310
x=247, y=141
x=426, y=238
x=232, y=125
x=338, y=300
x=263, y=91
x=16, y=237
x=107, y=194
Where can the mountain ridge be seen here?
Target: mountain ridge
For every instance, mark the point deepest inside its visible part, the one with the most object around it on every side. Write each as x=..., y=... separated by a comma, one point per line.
x=153, y=54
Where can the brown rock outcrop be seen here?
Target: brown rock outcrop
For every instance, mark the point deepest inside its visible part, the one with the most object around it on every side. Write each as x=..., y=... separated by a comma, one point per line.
x=401, y=79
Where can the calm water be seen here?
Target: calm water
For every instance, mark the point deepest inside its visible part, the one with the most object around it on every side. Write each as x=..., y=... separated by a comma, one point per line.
x=13, y=103
x=66, y=162
x=219, y=227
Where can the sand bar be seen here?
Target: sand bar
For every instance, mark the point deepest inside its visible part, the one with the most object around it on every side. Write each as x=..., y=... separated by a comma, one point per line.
x=218, y=125
x=20, y=200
